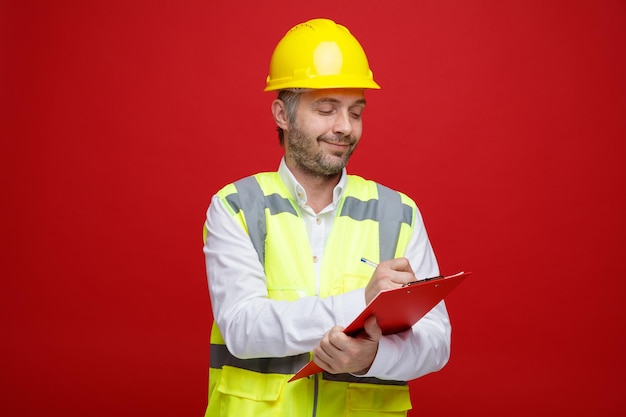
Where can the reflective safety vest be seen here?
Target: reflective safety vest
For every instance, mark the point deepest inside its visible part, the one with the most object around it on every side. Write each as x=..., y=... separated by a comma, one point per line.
x=372, y=221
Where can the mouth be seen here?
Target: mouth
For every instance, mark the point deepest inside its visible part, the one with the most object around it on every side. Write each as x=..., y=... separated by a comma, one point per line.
x=335, y=144
x=337, y=149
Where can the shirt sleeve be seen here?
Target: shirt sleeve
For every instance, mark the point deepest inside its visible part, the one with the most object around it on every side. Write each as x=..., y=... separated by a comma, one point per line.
x=425, y=347
x=252, y=324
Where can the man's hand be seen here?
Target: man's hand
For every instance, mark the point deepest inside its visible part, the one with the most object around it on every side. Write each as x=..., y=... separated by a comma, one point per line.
x=339, y=353
x=388, y=275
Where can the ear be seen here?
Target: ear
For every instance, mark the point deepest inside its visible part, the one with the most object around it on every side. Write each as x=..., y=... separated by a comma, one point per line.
x=280, y=115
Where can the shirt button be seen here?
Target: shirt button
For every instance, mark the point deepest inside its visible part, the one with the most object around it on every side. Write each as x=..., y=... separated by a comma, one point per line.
x=318, y=221
x=315, y=259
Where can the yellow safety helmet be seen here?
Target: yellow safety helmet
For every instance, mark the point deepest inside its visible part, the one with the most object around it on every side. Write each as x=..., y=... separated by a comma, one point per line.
x=319, y=54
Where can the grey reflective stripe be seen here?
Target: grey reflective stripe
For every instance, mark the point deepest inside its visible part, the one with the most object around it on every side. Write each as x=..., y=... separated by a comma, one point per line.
x=252, y=201
x=390, y=214
x=278, y=204
x=361, y=380
x=359, y=210
x=233, y=202
x=220, y=356
x=388, y=210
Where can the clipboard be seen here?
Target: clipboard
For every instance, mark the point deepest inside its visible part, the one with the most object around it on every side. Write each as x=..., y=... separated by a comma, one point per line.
x=398, y=309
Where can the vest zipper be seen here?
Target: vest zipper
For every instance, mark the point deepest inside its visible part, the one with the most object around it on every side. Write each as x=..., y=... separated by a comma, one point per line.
x=315, y=394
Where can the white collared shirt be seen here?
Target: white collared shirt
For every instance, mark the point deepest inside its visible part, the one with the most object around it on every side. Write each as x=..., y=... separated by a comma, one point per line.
x=254, y=326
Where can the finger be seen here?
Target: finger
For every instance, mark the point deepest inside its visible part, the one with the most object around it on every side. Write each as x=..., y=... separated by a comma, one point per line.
x=337, y=339
x=400, y=264
x=402, y=278
x=372, y=329
x=325, y=359
x=320, y=359
x=330, y=345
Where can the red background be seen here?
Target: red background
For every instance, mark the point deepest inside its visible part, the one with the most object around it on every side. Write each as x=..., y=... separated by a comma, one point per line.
x=504, y=120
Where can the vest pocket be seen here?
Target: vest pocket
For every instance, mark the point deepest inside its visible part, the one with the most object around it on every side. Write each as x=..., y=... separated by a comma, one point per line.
x=247, y=393
x=368, y=400
x=351, y=282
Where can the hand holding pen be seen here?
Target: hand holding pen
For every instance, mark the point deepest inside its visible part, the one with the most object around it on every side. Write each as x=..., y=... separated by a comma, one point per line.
x=389, y=274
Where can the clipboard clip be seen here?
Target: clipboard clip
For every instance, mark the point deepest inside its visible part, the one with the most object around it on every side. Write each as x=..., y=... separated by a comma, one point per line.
x=419, y=281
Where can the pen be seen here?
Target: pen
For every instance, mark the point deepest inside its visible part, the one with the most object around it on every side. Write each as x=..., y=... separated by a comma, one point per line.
x=368, y=262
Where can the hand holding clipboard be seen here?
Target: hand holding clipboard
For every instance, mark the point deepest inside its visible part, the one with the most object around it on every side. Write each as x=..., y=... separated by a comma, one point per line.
x=398, y=309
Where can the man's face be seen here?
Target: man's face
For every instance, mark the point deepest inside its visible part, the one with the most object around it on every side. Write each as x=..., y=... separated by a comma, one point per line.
x=327, y=128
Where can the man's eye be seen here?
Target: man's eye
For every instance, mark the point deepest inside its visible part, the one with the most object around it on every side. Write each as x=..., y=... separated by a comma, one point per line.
x=355, y=115
x=325, y=112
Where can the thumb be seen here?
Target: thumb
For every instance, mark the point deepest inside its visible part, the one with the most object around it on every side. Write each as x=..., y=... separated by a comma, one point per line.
x=372, y=329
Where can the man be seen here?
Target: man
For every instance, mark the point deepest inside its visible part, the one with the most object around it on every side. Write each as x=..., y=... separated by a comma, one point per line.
x=283, y=254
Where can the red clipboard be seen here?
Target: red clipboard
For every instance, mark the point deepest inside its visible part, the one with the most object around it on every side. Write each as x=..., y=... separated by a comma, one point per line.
x=398, y=309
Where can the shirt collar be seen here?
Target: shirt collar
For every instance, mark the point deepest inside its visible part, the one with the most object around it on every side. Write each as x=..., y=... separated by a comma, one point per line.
x=297, y=190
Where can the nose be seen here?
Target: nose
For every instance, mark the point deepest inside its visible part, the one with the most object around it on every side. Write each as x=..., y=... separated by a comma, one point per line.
x=343, y=123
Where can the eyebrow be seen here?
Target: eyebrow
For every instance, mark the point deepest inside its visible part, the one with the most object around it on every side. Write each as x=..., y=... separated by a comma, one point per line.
x=360, y=101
